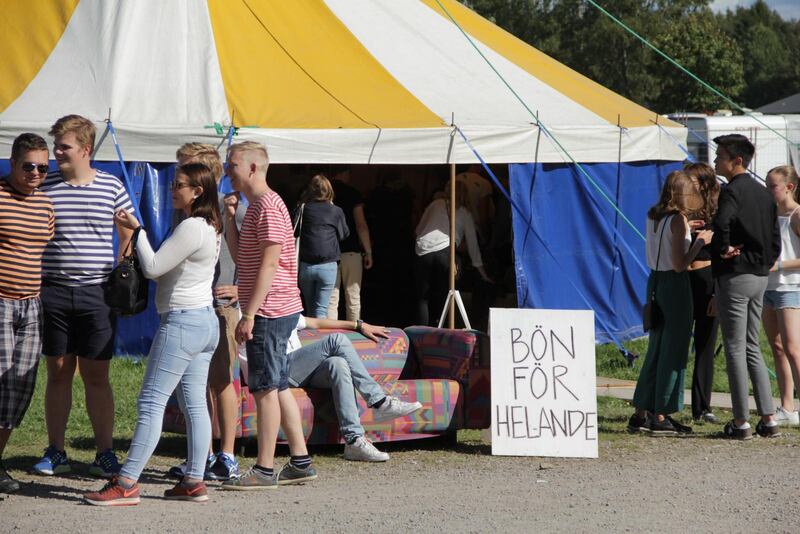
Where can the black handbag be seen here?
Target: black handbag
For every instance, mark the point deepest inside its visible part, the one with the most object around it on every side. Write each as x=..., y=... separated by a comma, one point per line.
x=652, y=316
x=127, y=289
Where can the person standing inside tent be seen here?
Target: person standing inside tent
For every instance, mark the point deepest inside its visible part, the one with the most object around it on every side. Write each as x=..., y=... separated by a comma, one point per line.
x=659, y=389
x=432, y=264
x=706, y=327
x=187, y=335
x=747, y=242
x=478, y=199
x=356, y=249
x=321, y=227
x=782, y=298
x=78, y=324
x=270, y=301
x=223, y=464
x=27, y=223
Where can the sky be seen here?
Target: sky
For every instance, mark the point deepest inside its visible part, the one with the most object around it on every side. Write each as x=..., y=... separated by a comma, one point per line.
x=788, y=9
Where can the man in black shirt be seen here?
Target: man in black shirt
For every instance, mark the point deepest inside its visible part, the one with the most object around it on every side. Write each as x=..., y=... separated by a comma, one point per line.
x=352, y=262
x=746, y=244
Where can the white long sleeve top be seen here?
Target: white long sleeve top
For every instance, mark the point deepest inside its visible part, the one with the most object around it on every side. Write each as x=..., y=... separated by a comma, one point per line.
x=183, y=266
x=433, y=231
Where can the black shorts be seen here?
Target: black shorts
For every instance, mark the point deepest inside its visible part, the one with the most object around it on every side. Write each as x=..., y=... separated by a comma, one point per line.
x=77, y=321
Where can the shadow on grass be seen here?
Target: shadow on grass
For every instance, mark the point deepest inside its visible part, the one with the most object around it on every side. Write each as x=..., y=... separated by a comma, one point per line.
x=43, y=489
x=168, y=445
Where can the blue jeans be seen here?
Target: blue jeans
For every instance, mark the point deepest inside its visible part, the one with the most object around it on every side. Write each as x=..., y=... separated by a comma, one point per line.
x=179, y=357
x=332, y=363
x=267, y=366
x=316, y=283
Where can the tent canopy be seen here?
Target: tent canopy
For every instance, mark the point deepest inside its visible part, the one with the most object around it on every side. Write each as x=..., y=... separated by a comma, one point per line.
x=318, y=81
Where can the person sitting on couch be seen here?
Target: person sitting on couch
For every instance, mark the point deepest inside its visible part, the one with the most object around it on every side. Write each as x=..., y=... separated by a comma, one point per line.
x=332, y=363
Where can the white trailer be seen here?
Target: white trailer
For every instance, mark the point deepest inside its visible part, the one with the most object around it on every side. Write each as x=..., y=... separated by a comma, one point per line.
x=775, y=137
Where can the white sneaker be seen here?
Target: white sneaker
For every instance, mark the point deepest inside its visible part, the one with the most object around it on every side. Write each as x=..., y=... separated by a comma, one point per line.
x=362, y=450
x=393, y=408
x=786, y=418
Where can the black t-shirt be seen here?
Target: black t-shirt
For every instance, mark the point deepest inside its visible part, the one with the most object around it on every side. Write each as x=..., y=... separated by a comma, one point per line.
x=347, y=198
x=323, y=226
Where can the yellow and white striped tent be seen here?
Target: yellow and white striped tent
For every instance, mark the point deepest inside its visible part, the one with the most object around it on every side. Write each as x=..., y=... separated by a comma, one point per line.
x=356, y=81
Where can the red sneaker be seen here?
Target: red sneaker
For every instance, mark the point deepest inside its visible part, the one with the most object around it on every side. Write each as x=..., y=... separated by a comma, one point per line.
x=194, y=493
x=113, y=494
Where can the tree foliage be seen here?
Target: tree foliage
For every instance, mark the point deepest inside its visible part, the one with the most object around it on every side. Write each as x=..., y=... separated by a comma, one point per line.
x=746, y=54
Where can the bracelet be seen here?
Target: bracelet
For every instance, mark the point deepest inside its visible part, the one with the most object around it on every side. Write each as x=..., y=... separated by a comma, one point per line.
x=359, y=325
x=248, y=317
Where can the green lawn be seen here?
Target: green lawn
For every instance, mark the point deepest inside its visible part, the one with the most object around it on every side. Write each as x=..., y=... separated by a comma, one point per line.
x=611, y=364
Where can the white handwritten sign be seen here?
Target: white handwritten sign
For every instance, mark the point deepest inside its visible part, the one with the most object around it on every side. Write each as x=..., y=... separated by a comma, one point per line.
x=544, y=400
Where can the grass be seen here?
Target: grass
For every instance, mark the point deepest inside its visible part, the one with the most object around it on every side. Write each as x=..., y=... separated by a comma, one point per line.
x=611, y=364
x=28, y=441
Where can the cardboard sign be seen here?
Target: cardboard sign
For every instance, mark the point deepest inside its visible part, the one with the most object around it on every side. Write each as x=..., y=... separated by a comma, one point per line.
x=544, y=400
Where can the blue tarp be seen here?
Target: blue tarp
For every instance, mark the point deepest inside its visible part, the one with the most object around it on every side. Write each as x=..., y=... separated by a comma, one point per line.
x=567, y=252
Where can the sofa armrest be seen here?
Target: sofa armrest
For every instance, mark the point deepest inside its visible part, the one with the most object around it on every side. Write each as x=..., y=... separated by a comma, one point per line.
x=439, y=352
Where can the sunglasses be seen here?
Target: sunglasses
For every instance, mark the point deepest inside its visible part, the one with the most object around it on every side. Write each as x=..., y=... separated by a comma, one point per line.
x=29, y=167
x=175, y=186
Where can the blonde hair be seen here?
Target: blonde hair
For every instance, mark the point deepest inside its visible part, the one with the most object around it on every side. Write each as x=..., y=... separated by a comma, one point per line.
x=319, y=189
x=82, y=127
x=202, y=153
x=789, y=175
x=679, y=195
x=261, y=156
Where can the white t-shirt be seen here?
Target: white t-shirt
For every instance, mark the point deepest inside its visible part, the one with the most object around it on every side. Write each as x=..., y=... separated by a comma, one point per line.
x=433, y=231
x=183, y=266
x=655, y=238
x=294, y=340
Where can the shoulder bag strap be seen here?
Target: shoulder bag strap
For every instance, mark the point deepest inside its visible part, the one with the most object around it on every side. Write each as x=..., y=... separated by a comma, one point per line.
x=658, y=255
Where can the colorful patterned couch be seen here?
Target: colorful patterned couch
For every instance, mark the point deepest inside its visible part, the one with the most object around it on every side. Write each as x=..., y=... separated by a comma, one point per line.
x=446, y=370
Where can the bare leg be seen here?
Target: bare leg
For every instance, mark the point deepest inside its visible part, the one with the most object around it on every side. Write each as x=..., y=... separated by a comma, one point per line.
x=789, y=323
x=292, y=424
x=99, y=400
x=268, y=412
x=771, y=320
x=227, y=412
x=58, y=397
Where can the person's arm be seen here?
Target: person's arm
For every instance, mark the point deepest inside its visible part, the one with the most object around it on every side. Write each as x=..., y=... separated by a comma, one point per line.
x=727, y=207
x=231, y=202
x=363, y=234
x=342, y=231
x=270, y=255
x=471, y=238
x=370, y=331
x=184, y=241
x=124, y=232
x=681, y=259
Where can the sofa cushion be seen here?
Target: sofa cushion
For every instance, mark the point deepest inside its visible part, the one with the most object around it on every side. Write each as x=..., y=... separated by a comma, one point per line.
x=441, y=352
x=384, y=360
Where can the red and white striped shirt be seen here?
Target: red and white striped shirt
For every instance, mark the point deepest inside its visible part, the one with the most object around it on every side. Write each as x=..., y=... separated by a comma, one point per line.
x=267, y=221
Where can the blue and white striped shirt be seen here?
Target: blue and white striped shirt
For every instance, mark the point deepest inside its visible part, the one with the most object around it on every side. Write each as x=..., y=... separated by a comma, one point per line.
x=82, y=251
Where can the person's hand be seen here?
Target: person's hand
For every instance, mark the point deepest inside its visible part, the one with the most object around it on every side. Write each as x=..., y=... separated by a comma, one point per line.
x=229, y=292
x=231, y=202
x=374, y=332
x=697, y=224
x=711, y=310
x=731, y=252
x=368, y=260
x=126, y=219
x=244, y=330
x=705, y=236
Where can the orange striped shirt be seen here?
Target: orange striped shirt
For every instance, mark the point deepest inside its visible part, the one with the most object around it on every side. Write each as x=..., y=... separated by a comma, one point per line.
x=27, y=223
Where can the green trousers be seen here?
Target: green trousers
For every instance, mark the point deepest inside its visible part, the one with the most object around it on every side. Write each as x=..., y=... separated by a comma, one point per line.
x=660, y=386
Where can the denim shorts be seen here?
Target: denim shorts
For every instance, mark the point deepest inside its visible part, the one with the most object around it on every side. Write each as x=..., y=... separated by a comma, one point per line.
x=267, y=364
x=779, y=300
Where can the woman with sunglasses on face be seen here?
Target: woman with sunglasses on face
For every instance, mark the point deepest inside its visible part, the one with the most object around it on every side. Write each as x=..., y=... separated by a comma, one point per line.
x=186, y=338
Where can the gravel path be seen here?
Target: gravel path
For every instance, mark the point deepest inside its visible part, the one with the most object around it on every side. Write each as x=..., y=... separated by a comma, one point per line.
x=638, y=484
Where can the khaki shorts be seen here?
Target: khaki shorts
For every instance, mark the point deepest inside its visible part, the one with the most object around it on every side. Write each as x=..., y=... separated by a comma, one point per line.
x=223, y=362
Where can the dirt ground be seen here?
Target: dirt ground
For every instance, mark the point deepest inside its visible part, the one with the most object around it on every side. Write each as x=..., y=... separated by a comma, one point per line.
x=639, y=483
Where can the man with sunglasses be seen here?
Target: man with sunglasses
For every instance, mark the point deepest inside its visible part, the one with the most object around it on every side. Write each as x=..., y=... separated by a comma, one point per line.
x=27, y=222
x=78, y=323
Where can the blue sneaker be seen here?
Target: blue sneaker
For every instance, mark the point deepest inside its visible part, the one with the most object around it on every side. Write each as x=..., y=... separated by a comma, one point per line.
x=54, y=462
x=105, y=464
x=179, y=471
x=224, y=468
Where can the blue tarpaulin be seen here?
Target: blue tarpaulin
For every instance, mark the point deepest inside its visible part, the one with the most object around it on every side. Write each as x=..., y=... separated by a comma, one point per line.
x=567, y=252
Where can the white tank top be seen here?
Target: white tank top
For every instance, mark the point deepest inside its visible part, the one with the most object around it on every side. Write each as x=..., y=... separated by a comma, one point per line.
x=655, y=237
x=790, y=249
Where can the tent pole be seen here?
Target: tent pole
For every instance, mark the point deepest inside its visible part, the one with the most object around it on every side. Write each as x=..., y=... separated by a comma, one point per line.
x=451, y=301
